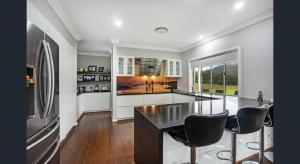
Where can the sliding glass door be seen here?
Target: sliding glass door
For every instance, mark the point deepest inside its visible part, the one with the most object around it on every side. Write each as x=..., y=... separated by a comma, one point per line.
x=206, y=79
x=216, y=79
x=231, y=79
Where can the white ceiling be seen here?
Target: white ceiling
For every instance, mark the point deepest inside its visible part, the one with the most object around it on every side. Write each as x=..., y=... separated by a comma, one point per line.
x=185, y=19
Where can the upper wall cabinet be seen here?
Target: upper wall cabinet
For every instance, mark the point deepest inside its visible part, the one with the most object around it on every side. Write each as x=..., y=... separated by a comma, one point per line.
x=125, y=66
x=173, y=68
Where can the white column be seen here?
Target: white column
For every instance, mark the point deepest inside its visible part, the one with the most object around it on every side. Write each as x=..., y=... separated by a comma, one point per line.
x=114, y=65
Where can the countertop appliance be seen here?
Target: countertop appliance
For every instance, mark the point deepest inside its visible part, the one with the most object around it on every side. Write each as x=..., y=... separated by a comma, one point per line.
x=42, y=91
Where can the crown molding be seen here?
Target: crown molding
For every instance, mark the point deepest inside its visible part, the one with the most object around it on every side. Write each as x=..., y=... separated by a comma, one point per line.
x=94, y=53
x=147, y=47
x=64, y=18
x=235, y=28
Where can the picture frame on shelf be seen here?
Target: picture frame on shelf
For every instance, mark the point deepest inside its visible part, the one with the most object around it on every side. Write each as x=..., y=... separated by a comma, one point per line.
x=79, y=78
x=88, y=77
x=100, y=69
x=92, y=68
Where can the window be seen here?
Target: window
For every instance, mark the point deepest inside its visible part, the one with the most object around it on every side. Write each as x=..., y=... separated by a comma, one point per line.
x=216, y=75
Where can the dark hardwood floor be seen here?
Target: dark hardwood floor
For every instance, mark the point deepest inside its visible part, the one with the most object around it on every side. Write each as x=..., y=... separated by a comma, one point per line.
x=97, y=140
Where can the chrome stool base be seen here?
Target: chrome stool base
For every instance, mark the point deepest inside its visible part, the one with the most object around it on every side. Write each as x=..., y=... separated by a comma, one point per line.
x=269, y=156
x=250, y=162
x=253, y=148
x=222, y=158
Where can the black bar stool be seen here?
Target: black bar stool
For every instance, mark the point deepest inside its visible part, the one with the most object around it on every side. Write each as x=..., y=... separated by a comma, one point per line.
x=268, y=122
x=200, y=130
x=247, y=120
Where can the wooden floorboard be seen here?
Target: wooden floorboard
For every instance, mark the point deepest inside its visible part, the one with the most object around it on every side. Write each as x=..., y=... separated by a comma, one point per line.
x=96, y=140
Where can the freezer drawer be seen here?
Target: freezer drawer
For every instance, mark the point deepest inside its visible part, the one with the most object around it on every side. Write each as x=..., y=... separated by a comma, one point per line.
x=38, y=150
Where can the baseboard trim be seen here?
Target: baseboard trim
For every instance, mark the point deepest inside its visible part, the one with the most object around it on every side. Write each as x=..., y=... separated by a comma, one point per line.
x=253, y=156
x=71, y=131
x=125, y=120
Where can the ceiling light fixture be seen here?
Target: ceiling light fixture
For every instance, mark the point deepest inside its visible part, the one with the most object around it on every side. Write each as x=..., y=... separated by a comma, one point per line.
x=201, y=37
x=118, y=23
x=161, y=30
x=238, y=5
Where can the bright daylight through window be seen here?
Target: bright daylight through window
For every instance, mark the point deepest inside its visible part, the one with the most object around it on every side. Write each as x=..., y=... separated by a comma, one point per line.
x=216, y=75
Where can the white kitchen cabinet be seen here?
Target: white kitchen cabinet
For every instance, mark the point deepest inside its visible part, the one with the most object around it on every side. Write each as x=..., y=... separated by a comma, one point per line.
x=80, y=99
x=105, y=99
x=179, y=98
x=130, y=100
x=173, y=68
x=125, y=66
x=165, y=98
x=125, y=112
x=94, y=102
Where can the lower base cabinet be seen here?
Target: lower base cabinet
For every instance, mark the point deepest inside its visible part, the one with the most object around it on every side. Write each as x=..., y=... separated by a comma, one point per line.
x=125, y=112
x=126, y=103
x=94, y=102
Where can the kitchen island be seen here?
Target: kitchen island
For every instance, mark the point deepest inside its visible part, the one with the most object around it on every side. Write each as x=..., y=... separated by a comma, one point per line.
x=153, y=145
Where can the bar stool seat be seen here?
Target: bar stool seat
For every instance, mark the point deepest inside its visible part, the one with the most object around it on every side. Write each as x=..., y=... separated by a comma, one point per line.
x=268, y=122
x=247, y=120
x=200, y=130
x=179, y=135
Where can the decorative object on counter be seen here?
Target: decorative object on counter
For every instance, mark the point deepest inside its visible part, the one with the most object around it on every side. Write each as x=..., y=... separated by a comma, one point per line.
x=88, y=77
x=96, y=89
x=81, y=69
x=104, y=88
x=100, y=78
x=100, y=69
x=260, y=96
x=79, y=78
x=97, y=77
x=92, y=68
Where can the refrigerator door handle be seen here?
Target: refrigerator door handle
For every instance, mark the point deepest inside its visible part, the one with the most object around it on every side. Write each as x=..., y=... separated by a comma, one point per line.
x=43, y=138
x=52, y=87
x=56, y=121
x=56, y=143
x=53, y=153
x=49, y=83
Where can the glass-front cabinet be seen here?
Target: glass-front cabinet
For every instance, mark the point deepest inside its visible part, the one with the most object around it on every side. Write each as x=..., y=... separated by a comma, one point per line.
x=173, y=68
x=125, y=66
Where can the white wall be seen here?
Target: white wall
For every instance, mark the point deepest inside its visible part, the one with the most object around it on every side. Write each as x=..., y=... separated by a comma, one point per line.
x=67, y=62
x=100, y=61
x=147, y=53
x=256, y=44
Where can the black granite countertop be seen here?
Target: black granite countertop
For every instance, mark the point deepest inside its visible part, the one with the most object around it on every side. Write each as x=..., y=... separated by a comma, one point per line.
x=214, y=96
x=165, y=117
x=141, y=93
x=92, y=92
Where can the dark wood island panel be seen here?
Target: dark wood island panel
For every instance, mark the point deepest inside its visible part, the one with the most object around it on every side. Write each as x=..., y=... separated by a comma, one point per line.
x=148, y=141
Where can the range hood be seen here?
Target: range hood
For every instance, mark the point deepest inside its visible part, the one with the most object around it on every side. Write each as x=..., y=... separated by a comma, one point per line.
x=150, y=67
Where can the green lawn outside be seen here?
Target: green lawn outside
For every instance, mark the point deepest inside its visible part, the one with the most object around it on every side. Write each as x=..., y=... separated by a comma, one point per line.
x=230, y=89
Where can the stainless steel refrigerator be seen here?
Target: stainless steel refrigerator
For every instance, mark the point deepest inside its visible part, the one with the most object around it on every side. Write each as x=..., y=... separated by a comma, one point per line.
x=42, y=87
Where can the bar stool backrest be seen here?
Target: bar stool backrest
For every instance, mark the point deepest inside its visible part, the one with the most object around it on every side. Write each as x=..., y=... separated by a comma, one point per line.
x=250, y=119
x=203, y=130
x=269, y=121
